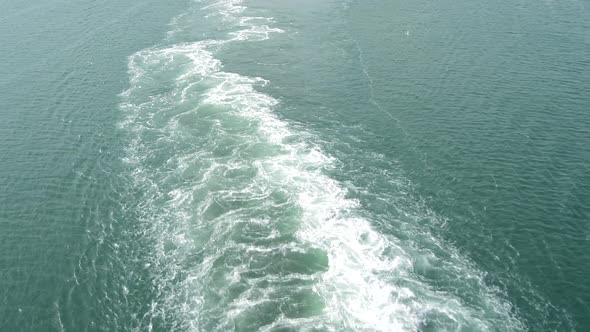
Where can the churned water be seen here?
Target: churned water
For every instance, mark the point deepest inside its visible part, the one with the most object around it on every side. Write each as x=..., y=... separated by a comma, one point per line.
x=255, y=165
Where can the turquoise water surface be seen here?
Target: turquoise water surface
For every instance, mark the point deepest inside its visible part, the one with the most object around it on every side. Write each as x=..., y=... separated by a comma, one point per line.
x=256, y=165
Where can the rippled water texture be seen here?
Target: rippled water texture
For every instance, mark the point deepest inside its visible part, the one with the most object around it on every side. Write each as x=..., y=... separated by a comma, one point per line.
x=251, y=165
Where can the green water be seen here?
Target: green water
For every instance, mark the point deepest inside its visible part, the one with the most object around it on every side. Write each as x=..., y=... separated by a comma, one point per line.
x=294, y=166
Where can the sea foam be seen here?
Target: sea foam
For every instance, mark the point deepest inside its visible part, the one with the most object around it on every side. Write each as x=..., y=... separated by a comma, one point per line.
x=241, y=214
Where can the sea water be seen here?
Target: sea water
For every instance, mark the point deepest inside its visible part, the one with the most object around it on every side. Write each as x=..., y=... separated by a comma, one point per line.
x=295, y=166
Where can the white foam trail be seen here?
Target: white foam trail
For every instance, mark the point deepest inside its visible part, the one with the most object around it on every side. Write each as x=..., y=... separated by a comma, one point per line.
x=354, y=292
x=361, y=286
